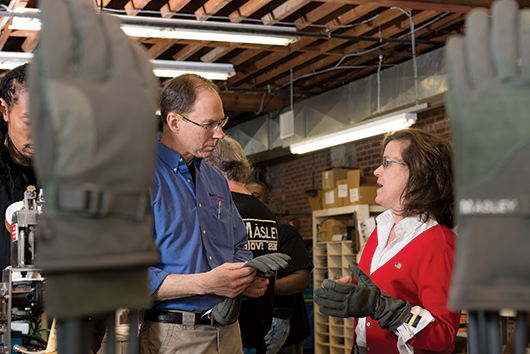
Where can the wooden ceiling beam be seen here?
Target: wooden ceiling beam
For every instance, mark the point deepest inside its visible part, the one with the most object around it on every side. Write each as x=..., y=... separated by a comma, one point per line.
x=281, y=12
x=250, y=102
x=459, y=6
x=388, y=49
x=267, y=76
x=189, y=50
x=209, y=8
x=280, y=77
x=160, y=47
x=31, y=42
x=349, y=17
x=247, y=9
x=177, y=5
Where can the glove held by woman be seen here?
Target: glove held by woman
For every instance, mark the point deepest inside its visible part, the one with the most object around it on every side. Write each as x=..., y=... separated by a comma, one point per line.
x=361, y=300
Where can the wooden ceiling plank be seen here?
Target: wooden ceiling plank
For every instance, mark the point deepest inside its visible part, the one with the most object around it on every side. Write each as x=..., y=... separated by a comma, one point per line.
x=177, y=5
x=459, y=6
x=159, y=48
x=129, y=8
x=247, y=9
x=165, y=11
x=189, y=50
x=325, y=47
x=101, y=3
x=350, y=16
x=209, y=8
x=250, y=102
x=217, y=53
x=400, y=27
x=4, y=36
x=318, y=13
x=31, y=42
x=326, y=62
x=282, y=11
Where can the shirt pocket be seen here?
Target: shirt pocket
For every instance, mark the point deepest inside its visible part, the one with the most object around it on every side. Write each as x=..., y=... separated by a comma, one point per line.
x=219, y=207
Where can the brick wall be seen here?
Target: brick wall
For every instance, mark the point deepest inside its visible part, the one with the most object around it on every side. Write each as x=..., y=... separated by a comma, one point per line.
x=289, y=178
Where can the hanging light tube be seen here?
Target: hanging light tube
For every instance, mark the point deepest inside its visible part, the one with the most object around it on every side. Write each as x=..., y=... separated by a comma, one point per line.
x=212, y=71
x=361, y=131
x=161, y=68
x=152, y=27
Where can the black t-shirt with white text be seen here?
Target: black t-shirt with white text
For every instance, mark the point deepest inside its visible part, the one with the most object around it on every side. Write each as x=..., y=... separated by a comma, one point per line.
x=256, y=313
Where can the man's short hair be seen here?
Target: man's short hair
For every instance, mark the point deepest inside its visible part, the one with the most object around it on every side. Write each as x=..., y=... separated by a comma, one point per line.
x=180, y=93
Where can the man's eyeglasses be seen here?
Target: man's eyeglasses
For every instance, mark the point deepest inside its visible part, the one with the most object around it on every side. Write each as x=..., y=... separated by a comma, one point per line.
x=208, y=127
x=387, y=163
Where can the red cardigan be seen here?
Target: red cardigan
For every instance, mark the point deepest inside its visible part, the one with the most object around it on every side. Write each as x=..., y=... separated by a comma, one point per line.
x=420, y=273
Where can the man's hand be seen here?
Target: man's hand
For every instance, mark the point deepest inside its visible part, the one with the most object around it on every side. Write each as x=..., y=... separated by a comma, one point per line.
x=229, y=279
x=365, y=299
x=257, y=288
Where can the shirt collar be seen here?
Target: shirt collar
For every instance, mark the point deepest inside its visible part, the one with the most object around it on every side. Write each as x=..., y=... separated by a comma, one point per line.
x=407, y=226
x=173, y=159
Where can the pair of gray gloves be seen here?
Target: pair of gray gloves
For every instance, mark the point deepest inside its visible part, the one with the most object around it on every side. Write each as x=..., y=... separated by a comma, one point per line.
x=226, y=311
x=361, y=300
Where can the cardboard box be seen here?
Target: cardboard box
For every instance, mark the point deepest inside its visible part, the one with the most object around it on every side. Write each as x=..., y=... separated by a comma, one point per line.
x=332, y=175
x=330, y=199
x=354, y=178
x=314, y=196
x=363, y=195
x=343, y=193
x=369, y=181
x=331, y=227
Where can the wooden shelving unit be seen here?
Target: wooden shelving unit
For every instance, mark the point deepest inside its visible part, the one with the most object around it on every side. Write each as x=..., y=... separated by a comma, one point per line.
x=334, y=335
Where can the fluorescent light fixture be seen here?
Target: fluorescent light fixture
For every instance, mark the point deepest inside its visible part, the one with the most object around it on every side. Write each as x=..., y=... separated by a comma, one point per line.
x=25, y=23
x=153, y=27
x=364, y=130
x=203, y=35
x=10, y=60
x=161, y=68
x=212, y=71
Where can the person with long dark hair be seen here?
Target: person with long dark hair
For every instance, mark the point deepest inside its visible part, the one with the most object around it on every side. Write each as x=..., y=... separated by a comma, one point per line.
x=16, y=149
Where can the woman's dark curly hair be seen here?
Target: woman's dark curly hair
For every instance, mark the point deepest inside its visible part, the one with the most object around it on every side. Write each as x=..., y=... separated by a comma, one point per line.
x=11, y=85
x=429, y=190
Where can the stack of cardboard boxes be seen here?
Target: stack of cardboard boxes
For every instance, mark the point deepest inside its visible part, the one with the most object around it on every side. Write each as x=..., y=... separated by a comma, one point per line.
x=343, y=187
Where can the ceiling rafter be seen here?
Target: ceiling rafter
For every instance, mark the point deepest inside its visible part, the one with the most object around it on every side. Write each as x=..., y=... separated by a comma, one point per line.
x=332, y=32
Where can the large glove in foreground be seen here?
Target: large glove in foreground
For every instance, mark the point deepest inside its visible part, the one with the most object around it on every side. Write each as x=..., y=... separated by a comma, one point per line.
x=226, y=311
x=364, y=299
x=92, y=100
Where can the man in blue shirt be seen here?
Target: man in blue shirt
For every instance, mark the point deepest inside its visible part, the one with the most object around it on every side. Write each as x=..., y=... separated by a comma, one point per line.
x=197, y=228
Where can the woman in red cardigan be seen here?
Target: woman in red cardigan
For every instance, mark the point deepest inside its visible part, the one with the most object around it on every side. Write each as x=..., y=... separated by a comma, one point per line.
x=399, y=298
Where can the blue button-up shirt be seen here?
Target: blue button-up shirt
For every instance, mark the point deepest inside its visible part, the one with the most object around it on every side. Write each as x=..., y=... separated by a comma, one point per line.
x=196, y=225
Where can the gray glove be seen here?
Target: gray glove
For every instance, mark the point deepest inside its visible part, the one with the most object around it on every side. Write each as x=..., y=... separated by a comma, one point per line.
x=226, y=311
x=277, y=335
x=93, y=101
x=364, y=299
x=268, y=264
x=488, y=76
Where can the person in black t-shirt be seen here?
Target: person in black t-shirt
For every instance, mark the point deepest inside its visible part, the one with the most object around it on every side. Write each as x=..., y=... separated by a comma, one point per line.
x=290, y=283
x=16, y=149
x=255, y=318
